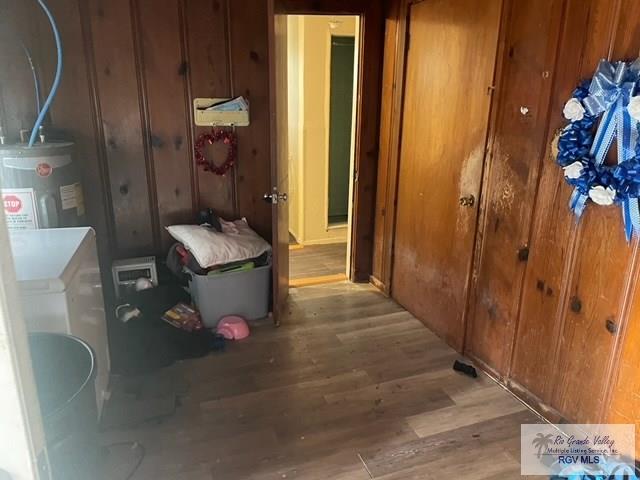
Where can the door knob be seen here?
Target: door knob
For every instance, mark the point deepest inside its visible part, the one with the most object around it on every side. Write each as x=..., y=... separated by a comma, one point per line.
x=275, y=197
x=468, y=201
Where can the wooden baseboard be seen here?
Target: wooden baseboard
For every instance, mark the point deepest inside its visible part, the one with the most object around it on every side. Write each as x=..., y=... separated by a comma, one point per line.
x=522, y=394
x=378, y=284
x=324, y=241
x=307, y=282
x=295, y=246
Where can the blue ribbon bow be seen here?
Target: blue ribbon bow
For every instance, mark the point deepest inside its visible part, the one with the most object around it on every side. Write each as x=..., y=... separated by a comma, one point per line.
x=609, y=83
x=609, y=93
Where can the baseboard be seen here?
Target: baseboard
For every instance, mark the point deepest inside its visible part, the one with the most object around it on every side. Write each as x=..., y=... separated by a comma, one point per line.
x=321, y=280
x=323, y=241
x=379, y=285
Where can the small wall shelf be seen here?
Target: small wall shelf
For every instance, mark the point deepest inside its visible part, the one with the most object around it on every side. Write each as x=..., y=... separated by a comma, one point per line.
x=216, y=118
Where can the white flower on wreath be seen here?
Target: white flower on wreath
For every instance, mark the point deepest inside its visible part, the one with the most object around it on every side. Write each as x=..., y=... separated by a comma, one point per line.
x=601, y=195
x=574, y=170
x=573, y=110
x=634, y=108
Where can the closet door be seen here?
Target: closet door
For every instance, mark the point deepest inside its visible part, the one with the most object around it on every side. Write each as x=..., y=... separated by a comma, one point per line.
x=518, y=142
x=449, y=69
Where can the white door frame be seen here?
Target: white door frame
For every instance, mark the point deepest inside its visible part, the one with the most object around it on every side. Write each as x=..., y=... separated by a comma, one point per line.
x=22, y=445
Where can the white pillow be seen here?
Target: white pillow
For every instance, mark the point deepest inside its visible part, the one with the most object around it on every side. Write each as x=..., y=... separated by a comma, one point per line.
x=235, y=243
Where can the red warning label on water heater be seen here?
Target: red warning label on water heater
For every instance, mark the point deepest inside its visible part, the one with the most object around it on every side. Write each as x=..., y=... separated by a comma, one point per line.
x=12, y=204
x=20, y=208
x=44, y=169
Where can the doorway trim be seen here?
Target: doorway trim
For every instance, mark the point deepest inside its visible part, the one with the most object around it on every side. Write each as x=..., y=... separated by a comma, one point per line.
x=367, y=117
x=392, y=101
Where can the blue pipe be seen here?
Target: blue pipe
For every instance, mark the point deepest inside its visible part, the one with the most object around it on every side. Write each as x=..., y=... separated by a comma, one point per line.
x=56, y=80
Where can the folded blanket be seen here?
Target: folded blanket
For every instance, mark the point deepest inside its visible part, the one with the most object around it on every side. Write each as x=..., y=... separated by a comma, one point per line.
x=237, y=242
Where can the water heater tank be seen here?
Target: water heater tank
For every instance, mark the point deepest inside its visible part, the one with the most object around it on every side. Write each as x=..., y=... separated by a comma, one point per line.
x=41, y=186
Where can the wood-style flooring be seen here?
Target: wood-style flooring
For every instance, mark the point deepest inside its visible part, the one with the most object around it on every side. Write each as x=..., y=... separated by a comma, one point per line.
x=316, y=261
x=350, y=387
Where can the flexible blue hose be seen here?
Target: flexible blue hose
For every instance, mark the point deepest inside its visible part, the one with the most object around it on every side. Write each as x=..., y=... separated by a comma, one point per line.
x=56, y=80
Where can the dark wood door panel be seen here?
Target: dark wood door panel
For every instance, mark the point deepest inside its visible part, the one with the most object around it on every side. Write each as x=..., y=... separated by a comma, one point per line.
x=444, y=129
x=517, y=144
x=279, y=89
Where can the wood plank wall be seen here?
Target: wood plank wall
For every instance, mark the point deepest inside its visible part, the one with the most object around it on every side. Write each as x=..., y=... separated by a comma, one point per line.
x=132, y=70
x=539, y=325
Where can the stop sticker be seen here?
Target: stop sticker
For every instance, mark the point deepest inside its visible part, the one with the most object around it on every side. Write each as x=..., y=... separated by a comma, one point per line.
x=12, y=204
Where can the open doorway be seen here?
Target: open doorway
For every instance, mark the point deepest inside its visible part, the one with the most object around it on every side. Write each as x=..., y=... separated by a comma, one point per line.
x=322, y=65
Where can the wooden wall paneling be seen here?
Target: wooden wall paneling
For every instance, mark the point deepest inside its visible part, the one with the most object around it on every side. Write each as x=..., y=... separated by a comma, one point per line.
x=518, y=144
x=74, y=117
x=126, y=98
x=121, y=117
x=138, y=56
x=622, y=402
x=585, y=38
x=585, y=344
x=17, y=97
x=387, y=167
x=250, y=73
x=551, y=238
x=208, y=68
x=626, y=42
x=164, y=74
x=600, y=270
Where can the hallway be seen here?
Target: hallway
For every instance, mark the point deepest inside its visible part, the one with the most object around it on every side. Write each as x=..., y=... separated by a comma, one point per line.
x=312, y=264
x=350, y=380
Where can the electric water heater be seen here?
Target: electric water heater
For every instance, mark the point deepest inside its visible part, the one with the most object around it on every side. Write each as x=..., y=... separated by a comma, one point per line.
x=41, y=186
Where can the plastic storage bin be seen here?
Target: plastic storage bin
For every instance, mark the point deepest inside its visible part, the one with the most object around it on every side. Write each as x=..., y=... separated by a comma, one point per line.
x=235, y=293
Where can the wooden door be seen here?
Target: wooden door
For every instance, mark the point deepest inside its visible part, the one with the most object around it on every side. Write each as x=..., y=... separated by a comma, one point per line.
x=449, y=70
x=279, y=155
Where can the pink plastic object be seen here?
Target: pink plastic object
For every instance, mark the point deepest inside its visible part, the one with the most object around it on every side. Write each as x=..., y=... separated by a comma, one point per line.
x=233, y=328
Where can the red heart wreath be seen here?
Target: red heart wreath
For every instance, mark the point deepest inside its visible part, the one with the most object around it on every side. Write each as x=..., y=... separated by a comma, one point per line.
x=229, y=138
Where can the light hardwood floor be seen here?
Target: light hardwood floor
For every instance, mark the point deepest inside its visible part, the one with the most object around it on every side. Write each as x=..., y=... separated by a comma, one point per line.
x=351, y=387
x=315, y=261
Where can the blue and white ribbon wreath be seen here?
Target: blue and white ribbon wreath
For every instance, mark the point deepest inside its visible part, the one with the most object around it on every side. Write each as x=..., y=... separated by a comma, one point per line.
x=582, y=153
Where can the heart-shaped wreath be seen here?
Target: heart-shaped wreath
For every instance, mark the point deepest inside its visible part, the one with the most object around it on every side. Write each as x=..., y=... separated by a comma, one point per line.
x=229, y=138
x=582, y=148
